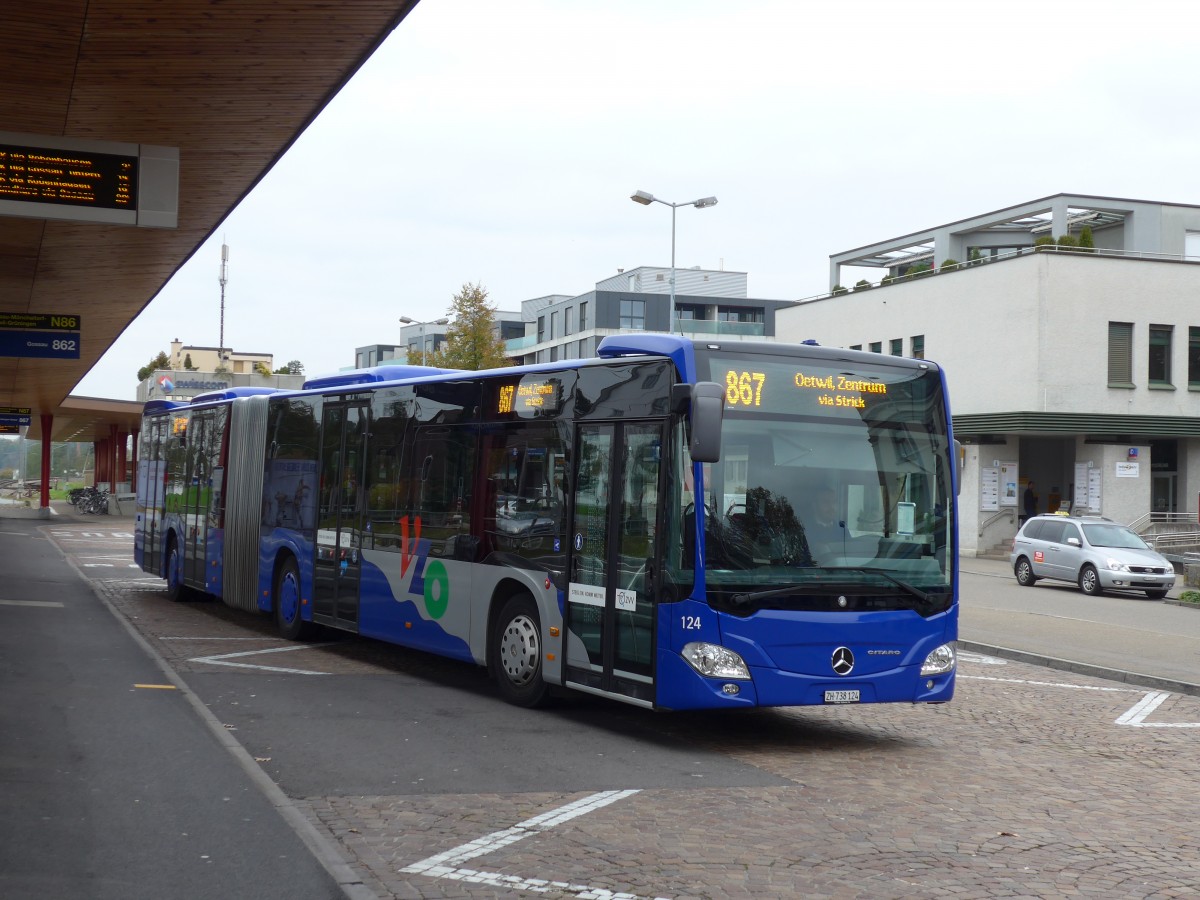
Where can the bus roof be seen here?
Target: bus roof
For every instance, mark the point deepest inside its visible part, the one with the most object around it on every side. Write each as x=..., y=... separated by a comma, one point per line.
x=373, y=375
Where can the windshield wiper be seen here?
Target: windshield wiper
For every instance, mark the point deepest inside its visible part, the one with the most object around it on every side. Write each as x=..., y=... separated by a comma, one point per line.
x=810, y=586
x=806, y=587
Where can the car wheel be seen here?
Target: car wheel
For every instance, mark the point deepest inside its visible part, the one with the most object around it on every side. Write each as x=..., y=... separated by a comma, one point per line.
x=287, y=602
x=516, y=653
x=1024, y=572
x=1156, y=595
x=1089, y=581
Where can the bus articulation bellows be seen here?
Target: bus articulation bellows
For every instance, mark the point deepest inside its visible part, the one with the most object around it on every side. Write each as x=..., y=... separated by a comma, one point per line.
x=673, y=524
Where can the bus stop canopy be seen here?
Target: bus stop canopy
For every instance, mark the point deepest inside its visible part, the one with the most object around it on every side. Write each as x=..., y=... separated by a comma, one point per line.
x=229, y=86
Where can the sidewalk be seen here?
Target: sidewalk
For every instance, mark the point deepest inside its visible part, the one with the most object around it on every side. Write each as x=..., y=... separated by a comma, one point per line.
x=116, y=784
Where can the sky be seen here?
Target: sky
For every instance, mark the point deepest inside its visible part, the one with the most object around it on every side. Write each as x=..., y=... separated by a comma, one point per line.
x=498, y=142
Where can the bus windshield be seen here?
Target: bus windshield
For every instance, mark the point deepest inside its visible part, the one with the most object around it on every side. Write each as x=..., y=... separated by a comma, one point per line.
x=833, y=482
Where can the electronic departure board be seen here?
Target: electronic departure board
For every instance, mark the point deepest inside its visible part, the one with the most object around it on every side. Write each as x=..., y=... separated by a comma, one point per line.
x=59, y=177
x=68, y=177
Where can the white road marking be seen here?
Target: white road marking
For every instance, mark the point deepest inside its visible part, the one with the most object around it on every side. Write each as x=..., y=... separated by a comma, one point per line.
x=52, y=603
x=1134, y=718
x=968, y=656
x=222, y=659
x=210, y=638
x=1148, y=704
x=446, y=865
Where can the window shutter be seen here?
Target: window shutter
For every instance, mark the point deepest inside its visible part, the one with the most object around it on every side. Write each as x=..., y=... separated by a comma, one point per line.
x=1120, y=353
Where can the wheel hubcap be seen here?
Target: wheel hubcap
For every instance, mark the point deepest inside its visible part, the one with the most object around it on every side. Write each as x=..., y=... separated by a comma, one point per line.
x=519, y=650
x=288, y=604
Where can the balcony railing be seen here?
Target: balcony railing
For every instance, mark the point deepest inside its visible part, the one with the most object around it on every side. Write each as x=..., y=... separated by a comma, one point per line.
x=1001, y=257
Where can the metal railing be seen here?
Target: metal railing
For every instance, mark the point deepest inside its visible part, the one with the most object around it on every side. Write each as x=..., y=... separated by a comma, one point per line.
x=1001, y=257
x=1010, y=513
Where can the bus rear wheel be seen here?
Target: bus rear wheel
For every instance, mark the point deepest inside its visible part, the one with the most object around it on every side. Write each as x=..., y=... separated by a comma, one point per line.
x=287, y=602
x=516, y=653
x=175, y=587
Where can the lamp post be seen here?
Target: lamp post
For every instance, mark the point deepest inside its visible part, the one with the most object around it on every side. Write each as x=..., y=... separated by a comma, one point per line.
x=405, y=320
x=646, y=199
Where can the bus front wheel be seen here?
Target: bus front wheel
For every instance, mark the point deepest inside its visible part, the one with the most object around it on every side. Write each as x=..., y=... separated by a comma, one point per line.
x=286, y=601
x=517, y=653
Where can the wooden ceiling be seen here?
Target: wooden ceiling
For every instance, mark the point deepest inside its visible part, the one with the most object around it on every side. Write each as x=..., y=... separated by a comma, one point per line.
x=231, y=83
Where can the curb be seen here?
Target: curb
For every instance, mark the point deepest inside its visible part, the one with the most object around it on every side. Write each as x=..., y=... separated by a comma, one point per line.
x=1153, y=682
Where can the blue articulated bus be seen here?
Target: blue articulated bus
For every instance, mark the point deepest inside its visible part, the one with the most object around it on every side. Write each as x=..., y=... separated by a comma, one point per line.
x=673, y=524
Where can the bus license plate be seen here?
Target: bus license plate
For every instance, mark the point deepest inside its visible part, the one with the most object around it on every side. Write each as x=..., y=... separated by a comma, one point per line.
x=841, y=696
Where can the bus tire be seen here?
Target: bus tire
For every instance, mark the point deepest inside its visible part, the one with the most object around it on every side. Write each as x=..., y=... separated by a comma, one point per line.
x=516, y=653
x=176, y=590
x=285, y=599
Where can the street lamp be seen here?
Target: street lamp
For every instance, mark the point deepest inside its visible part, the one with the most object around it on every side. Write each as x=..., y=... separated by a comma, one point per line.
x=646, y=199
x=405, y=320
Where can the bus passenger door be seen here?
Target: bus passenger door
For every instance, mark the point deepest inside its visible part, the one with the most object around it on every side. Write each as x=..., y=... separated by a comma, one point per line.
x=611, y=597
x=152, y=466
x=339, y=516
x=195, y=500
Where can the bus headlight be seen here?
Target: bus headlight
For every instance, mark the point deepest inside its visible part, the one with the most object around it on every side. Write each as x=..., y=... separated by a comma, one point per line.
x=940, y=661
x=714, y=661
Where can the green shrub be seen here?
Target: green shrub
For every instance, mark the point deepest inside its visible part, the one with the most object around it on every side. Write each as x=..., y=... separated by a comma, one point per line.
x=862, y=284
x=837, y=289
x=1190, y=597
x=949, y=265
x=1044, y=241
x=1086, y=242
x=1068, y=240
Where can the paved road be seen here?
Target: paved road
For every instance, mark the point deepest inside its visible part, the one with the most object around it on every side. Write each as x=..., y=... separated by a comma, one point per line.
x=1033, y=782
x=1125, y=637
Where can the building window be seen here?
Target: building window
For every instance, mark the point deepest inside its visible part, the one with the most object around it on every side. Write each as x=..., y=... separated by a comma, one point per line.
x=1120, y=354
x=689, y=311
x=876, y=346
x=1159, y=372
x=738, y=314
x=554, y=332
x=917, y=345
x=541, y=328
x=897, y=346
x=567, y=321
x=1194, y=358
x=633, y=314
x=583, y=316
x=554, y=353
x=856, y=346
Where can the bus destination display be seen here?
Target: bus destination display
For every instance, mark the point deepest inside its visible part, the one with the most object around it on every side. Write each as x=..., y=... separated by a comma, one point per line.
x=533, y=395
x=745, y=389
x=68, y=177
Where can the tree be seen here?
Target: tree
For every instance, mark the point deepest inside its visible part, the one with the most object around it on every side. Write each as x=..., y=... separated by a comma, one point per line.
x=162, y=361
x=1086, y=242
x=261, y=368
x=294, y=367
x=472, y=340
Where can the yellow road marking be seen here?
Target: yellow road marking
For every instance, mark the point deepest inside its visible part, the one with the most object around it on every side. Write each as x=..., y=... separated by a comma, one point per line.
x=157, y=687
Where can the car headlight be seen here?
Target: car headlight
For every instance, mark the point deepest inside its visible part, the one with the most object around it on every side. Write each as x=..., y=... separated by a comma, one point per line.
x=940, y=661
x=714, y=661
x=1115, y=565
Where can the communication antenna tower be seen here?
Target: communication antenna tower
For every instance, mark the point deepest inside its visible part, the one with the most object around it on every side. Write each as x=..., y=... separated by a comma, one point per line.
x=223, y=279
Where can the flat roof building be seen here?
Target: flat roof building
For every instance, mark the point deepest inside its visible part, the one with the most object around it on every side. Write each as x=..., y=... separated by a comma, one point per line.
x=1075, y=366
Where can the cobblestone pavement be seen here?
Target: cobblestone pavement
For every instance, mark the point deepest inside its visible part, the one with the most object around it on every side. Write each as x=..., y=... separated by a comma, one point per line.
x=1024, y=786
x=1031, y=783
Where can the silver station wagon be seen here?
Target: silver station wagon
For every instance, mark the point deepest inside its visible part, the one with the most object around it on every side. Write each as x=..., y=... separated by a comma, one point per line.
x=1093, y=552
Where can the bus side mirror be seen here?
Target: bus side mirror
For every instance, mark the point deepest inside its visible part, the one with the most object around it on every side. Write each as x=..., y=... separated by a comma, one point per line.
x=708, y=408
